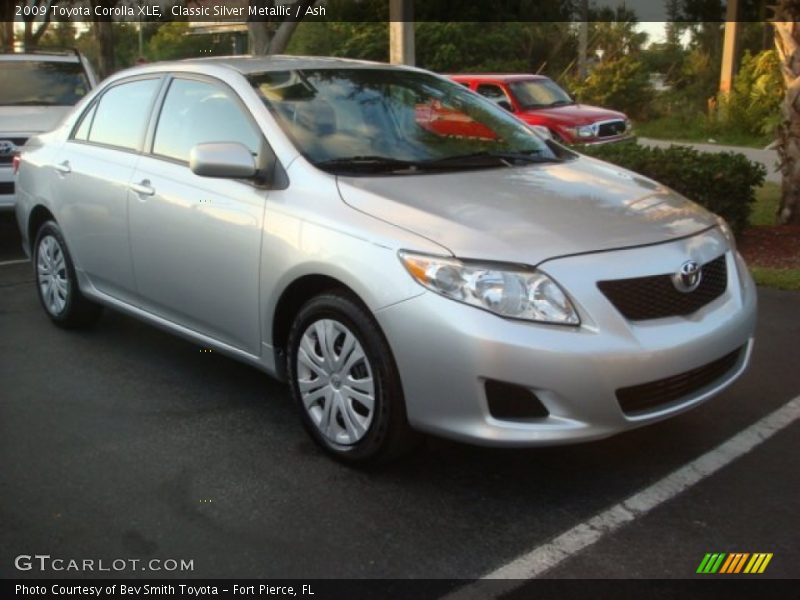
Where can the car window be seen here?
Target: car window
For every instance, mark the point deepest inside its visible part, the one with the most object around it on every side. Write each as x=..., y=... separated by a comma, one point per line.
x=493, y=92
x=82, y=132
x=197, y=112
x=121, y=115
x=338, y=114
x=539, y=93
x=42, y=83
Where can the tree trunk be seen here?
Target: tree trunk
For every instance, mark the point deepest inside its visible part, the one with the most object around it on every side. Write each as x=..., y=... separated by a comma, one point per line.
x=265, y=39
x=787, y=43
x=34, y=34
x=104, y=32
x=7, y=26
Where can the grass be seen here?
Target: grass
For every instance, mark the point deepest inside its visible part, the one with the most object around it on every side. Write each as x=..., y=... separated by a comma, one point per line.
x=768, y=197
x=682, y=130
x=781, y=279
x=763, y=214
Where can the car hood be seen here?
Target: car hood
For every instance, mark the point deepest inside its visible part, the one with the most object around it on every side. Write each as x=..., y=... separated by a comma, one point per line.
x=575, y=114
x=529, y=214
x=30, y=119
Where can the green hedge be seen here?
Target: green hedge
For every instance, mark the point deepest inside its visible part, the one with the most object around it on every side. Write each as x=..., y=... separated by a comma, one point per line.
x=724, y=182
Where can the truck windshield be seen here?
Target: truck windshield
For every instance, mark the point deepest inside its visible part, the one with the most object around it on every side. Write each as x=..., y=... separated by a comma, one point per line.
x=539, y=93
x=393, y=119
x=41, y=83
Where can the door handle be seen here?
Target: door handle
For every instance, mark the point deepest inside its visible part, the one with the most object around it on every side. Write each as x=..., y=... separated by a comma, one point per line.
x=143, y=188
x=64, y=167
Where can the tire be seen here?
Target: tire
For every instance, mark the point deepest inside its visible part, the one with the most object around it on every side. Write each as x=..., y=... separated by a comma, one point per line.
x=339, y=364
x=56, y=282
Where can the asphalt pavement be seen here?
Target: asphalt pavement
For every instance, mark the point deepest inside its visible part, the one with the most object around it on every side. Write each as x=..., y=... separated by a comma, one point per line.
x=126, y=442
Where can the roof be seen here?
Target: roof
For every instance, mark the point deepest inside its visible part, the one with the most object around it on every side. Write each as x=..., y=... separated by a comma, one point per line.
x=56, y=56
x=496, y=76
x=279, y=62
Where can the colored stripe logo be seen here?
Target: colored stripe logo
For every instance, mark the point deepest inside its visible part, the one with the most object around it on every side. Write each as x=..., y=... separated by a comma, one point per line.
x=734, y=563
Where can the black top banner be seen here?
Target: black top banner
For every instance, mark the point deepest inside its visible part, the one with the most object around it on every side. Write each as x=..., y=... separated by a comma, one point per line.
x=236, y=11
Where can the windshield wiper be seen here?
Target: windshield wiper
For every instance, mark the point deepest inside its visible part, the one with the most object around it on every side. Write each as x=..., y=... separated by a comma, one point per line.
x=367, y=163
x=561, y=103
x=507, y=158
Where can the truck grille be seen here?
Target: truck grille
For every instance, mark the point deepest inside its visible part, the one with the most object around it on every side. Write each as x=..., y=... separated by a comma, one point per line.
x=646, y=397
x=7, y=159
x=656, y=297
x=611, y=128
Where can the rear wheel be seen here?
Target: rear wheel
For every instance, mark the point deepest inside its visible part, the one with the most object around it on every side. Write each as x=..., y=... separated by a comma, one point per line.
x=345, y=383
x=56, y=282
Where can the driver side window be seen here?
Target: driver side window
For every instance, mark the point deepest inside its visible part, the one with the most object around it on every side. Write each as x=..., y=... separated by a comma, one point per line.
x=197, y=112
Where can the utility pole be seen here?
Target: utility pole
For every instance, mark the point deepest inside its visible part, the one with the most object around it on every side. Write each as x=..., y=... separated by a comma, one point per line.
x=729, y=47
x=401, y=32
x=583, y=40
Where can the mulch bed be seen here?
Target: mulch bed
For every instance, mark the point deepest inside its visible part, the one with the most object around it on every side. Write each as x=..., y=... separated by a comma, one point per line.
x=773, y=246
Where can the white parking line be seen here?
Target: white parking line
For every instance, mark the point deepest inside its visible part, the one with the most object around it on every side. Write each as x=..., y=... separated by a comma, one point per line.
x=545, y=557
x=14, y=262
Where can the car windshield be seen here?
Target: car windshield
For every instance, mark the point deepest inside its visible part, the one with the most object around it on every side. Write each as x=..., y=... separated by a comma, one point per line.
x=41, y=83
x=539, y=93
x=393, y=120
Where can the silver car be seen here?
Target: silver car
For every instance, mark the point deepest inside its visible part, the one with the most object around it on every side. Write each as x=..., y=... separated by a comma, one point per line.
x=410, y=257
x=37, y=90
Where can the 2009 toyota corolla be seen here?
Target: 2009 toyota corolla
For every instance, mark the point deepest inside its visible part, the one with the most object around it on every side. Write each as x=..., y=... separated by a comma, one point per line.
x=300, y=214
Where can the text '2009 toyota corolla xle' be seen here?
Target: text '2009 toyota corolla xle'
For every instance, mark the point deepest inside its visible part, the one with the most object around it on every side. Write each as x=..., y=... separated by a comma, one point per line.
x=303, y=215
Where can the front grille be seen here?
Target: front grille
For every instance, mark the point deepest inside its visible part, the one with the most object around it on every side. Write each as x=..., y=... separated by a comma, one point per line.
x=7, y=159
x=646, y=397
x=6, y=187
x=611, y=128
x=656, y=297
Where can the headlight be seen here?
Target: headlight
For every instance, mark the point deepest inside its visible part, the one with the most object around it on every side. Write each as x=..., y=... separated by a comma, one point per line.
x=727, y=232
x=584, y=131
x=542, y=131
x=529, y=295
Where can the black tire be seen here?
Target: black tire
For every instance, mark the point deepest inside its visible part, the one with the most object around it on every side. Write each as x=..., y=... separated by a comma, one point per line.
x=388, y=435
x=77, y=311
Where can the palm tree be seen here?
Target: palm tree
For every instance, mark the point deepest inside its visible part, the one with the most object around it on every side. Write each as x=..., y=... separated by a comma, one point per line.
x=787, y=42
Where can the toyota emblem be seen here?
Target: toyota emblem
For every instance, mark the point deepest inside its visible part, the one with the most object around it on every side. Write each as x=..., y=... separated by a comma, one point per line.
x=7, y=148
x=688, y=277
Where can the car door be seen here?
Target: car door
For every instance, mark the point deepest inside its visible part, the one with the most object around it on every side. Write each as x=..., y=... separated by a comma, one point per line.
x=93, y=170
x=196, y=241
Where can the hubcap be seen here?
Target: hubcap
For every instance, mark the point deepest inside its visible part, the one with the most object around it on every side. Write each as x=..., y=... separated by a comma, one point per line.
x=335, y=382
x=51, y=272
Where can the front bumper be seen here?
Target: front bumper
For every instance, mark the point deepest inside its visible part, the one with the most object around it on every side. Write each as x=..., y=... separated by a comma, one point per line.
x=445, y=351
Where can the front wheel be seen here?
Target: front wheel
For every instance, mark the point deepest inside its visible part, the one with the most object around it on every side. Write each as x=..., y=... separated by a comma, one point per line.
x=56, y=282
x=345, y=383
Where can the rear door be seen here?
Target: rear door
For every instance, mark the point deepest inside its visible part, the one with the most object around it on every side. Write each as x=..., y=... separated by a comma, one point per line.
x=196, y=241
x=92, y=172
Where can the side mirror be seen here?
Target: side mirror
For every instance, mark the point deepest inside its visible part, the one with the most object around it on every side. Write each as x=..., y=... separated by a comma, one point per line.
x=229, y=160
x=506, y=105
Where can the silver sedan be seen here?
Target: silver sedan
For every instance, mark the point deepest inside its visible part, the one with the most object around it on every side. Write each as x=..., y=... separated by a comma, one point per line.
x=408, y=256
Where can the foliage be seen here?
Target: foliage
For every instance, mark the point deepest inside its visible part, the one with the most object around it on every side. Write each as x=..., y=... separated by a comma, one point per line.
x=449, y=47
x=753, y=104
x=172, y=41
x=622, y=84
x=725, y=183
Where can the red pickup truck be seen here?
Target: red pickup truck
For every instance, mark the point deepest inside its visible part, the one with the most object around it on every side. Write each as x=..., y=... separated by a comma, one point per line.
x=538, y=100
